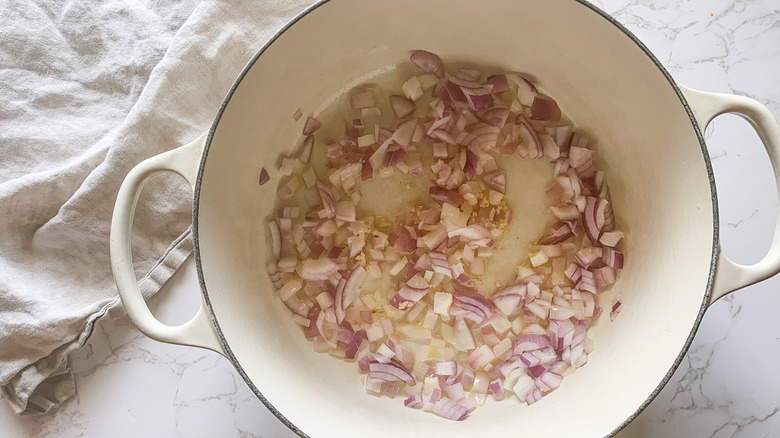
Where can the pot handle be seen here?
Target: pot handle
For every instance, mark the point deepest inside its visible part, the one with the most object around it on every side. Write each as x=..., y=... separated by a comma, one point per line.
x=197, y=332
x=730, y=276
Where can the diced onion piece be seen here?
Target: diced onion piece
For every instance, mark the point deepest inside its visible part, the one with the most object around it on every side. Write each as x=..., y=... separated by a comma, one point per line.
x=480, y=100
x=524, y=386
x=412, y=88
x=402, y=106
x=616, y=308
x=499, y=82
x=452, y=410
x=396, y=268
x=428, y=62
x=379, y=155
x=442, y=302
x=496, y=181
x=318, y=269
x=613, y=258
x=311, y=126
x=508, y=300
x=361, y=100
x=325, y=300
x=581, y=159
x=443, y=195
x=345, y=211
x=611, y=238
x=526, y=335
x=366, y=140
x=551, y=149
x=307, y=148
x=394, y=156
x=526, y=91
x=404, y=133
x=545, y=109
x=350, y=292
x=538, y=258
x=593, y=217
x=264, y=177
x=289, y=289
x=464, y=340
x=530, y=138
x=586, y=256
x=385, y=351
x=502, y=347
x=408, y=295
x=389, y=372
x=276, y=239
x=604, y=276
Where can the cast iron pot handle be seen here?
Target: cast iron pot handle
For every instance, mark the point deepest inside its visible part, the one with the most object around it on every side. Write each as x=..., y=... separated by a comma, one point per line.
x=198, y=331
x=730, y=276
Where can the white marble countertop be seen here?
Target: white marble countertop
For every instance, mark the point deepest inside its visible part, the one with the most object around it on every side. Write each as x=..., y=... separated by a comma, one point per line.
x=129, y=385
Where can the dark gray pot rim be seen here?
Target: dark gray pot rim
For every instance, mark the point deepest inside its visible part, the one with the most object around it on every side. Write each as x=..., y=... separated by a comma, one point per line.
x=593, y=8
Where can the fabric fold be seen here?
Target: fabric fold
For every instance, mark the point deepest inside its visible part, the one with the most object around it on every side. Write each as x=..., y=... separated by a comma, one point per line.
x=88, y=89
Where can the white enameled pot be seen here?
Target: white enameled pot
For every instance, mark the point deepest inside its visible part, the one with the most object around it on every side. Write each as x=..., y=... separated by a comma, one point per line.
x=649, y=135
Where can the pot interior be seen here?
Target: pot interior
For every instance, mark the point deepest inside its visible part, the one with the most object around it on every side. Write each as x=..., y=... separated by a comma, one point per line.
x=661, y=191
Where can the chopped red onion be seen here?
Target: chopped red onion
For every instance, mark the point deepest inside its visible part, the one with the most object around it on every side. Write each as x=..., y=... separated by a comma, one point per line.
x=496, y=116
x=496, y=180
x=318, y=269
x=407, y=296
x=414, y=401
x=264, y=177
x=545, y=109
x=428, y=62
x=367, y=172
x=499, y=83
x=276, y=240
x=586, y=256
x=361, y=100
x=378, y=156
x=611, y=238
x=604, y=276
x=473, y=306
x=480, y=101
x=471, y=233
x=452, y=410
x=405, y=243
x=530, y=137
x=394, y=156
x=526, y=90
x=306, y=150
x=520, y=340
x=345, y=211
x=448, y=368
x=470, y=166
x=593, y=217
x=509, y=299
x=557, y=234
x=350, y=292
x=404, y=133
x=389, y=372
x=551, y=149
x=443, y=195
x=613, y=258
x=616, y=308
x=581, y=160
x=311, y=126
x=402, y=106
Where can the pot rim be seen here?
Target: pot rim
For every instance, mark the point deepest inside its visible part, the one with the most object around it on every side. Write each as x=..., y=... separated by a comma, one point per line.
x=593, y=8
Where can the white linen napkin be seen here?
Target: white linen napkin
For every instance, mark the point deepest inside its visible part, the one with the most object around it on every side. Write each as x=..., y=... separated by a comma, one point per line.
x=89, y=88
